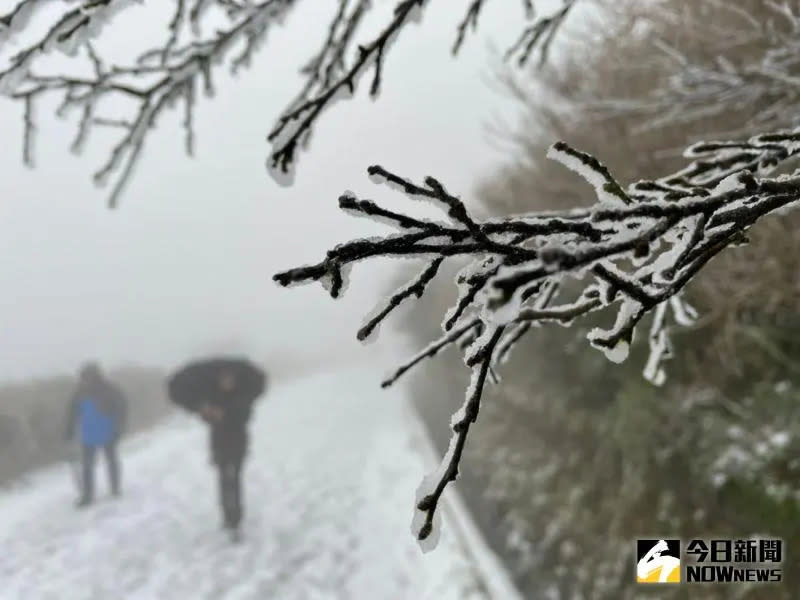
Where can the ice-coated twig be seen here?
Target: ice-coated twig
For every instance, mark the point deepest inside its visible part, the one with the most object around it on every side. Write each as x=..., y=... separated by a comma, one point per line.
x=631, y=254
x=432, y=350
x=414, y=288
x=544, y=296
x=470, y=21
x=540, y=34
x=462, y=421
x=329, y=79
x=185, y=62
x=299, y=118
x=155, y=81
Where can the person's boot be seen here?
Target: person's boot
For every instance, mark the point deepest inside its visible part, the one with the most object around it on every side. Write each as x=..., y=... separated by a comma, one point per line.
x=83, y=502
x=231, y=525
x=235, y=533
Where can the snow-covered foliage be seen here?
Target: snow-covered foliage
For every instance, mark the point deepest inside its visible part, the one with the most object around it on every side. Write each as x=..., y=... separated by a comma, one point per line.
x=756, y=63
x=581, y=470
x=172, y=73
x=632, y=253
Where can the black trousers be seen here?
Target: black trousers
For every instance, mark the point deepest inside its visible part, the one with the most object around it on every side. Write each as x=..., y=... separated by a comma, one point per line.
x=112, y=463
x=228, y=449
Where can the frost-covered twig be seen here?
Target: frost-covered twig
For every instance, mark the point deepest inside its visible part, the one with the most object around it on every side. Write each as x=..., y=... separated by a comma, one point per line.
x=632, y=253
x=296, y=123
x=540, y=34
x=470, y=20
x=170, y=74
x=154, y=82
x=461, y=424
x=414, y=288
x=295, y=126
x=466, y=331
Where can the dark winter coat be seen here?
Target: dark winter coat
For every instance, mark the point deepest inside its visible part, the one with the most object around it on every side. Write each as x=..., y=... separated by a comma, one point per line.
x=197, y=385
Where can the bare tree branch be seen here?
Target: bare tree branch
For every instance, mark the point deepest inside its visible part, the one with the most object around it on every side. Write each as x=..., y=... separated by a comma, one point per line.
x=414, y=288
x=540, y=34
x=299, y=118
x=154, y=83
x=632, y=253
x=461, y=427
x=172, y=73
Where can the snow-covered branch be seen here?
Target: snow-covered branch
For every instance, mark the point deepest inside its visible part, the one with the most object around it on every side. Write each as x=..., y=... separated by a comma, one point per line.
x=171, y=74
x=157, y=80
x=294, y=127
x=631, y=254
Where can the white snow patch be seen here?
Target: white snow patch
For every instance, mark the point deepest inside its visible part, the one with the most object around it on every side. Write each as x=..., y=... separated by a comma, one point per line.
x=730, y=184
x=593, y=177
x=780, y=439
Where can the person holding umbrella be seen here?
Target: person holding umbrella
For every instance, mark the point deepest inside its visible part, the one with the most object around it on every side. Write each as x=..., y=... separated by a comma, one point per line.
x=222, y=392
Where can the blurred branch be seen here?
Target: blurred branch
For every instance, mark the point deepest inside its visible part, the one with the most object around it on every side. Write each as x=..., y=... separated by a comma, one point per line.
x=540, y=34
x=754, y=62
x=170, y=73
x=156, y=81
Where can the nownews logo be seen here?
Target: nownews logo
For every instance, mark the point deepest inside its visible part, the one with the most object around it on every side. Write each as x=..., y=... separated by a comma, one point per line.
x=709, y=561
x=721, y=561
x=658, y=561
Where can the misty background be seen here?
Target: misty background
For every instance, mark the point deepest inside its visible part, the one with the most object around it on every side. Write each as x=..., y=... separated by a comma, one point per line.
x=572, y=457
x=184, y=265
x=183, y=269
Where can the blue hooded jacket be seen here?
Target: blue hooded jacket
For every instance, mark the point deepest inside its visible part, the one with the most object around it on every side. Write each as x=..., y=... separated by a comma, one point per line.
x=97, y=410
x=97, y=429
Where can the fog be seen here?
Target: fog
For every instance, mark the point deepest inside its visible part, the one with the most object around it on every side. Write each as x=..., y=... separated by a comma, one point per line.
x=184, y=265
x=182, y=269
x=294, y=475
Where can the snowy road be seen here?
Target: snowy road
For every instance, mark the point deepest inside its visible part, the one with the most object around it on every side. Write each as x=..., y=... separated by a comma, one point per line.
x=329, y=488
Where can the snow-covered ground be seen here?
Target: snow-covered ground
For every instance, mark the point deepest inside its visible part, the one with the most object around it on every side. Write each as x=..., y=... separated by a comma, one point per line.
x=330, y=484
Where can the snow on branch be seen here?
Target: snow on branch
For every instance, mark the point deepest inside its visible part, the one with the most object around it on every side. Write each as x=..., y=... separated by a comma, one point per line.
x=540, y=34
x=178, y=69
x=157, y=80
x=331, y=79
x=631, y=254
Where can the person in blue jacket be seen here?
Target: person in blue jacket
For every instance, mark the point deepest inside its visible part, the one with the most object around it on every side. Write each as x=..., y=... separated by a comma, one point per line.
x=97, y=411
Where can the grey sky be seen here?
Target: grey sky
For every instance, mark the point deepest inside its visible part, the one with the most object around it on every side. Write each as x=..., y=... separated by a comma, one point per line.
x=184, y=265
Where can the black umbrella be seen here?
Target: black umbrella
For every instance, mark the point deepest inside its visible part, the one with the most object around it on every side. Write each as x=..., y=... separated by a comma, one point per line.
x=198, y=382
